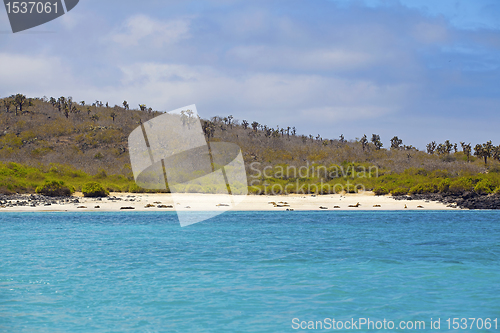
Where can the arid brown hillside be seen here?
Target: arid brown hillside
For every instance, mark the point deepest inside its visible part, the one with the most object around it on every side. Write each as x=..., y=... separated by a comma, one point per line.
x=94, y=137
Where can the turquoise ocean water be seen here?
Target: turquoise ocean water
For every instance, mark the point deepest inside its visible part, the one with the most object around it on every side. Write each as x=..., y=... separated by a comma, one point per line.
x=246, y=271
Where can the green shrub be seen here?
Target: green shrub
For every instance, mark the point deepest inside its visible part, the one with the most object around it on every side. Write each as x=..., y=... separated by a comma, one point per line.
x=423, y=188
x=326, y=189
x=351, y=188
x=461, y=185
x=495, y=169
x=440, y=174
x=255, y=189
x=380, y=190
x=94, y=189
x=134, y=188
x=444, y=185
x=484, y=187
x=101, y=174
x=278, y=189
x=399, y=191
x=194, y=188
x=54, y=189
x=113, y=188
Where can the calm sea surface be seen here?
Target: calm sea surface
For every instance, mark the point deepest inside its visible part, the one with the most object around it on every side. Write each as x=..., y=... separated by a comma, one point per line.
x=246, y=271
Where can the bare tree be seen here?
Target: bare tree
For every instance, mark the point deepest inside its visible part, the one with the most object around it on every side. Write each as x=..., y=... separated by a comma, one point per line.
x=19, y=101
x=484, y=150
x=495, y=154
x=431, y=147
x=364, y=142
x=61, y=102
x=396, y=143
x=448, y=146
x=209, y=129
x=7, y=103
x=466, y=148
x=255, y=125
x=376, y=141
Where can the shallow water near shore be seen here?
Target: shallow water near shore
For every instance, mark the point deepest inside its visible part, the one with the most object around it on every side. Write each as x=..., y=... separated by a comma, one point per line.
x=245, y=271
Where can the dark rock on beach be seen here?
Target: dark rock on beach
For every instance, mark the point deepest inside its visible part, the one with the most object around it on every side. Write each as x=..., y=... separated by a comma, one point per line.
x=466, y=200
x=34, y=200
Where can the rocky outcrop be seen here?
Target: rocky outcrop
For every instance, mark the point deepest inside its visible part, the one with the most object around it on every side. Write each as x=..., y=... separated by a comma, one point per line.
x=467, y=200
x=33, y=200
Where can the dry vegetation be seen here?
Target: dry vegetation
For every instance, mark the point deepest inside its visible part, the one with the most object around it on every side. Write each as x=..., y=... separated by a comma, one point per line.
x=87, y=137
x=38, y=132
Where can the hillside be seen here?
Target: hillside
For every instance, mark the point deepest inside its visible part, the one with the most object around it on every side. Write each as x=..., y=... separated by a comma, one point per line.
x=67, y=137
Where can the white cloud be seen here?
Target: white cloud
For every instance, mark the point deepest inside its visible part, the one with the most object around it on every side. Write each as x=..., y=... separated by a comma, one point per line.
x=337, y=59
x=264, y=96
x=4, y=22
x=332, y=114
x=168, y=86
x=309, y=66
x=430, y=33
x=72, y=19
x=250, y=21
x=32, y=74
x=140, y=28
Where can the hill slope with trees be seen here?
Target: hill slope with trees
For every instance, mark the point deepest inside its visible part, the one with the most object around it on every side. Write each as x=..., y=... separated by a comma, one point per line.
x=44, y=139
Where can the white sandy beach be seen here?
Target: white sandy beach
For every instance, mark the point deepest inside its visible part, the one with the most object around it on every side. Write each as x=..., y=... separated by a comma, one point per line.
x=211, y=202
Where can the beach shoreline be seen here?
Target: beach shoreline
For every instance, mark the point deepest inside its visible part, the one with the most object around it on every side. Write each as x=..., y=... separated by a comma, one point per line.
x=366, y=201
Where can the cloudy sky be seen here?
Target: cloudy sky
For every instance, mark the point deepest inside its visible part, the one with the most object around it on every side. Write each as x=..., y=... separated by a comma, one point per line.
x=421, y=70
